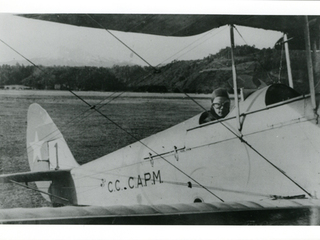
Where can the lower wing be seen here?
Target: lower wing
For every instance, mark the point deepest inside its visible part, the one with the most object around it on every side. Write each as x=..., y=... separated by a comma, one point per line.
x=265, y=212
x=34, y=176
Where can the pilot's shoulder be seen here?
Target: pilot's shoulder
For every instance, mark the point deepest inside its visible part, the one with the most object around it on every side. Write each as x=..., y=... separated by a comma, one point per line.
x=205, y=117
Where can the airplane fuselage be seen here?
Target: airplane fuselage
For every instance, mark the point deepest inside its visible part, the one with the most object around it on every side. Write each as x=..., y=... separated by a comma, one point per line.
x=275, y=154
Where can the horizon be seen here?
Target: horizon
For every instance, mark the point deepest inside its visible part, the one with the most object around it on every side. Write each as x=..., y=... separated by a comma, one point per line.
x=24, y=62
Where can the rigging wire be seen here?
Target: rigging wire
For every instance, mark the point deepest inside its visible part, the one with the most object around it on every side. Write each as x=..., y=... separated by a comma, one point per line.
x=35, y=65
x=193, y=43
x=268, y=75
x=179, y=183
x=240, y=34
x=37, y=190
x=145, y=145
x=201, y=42
x=97, y=110
x=120, y=41
x=240, y=137
x=20, y=54
x=78, y=116
x=171, y=57
x=156, y=71
x=94, y=108
x=100, y=105
x=262, y=156
x=51, y=134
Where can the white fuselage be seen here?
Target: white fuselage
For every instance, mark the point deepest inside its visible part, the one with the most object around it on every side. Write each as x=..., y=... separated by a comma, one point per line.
x=209, y=163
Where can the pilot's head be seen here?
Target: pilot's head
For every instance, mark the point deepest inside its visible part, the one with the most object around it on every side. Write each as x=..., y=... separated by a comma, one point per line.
x=220, y=102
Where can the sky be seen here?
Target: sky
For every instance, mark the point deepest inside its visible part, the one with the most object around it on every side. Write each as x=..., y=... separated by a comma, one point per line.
x=41, y=40
x=38, y=40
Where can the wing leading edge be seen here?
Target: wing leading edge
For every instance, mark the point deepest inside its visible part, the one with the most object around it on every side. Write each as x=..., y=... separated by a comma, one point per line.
x=279, y=212
x=34, y=176
x=60, y=191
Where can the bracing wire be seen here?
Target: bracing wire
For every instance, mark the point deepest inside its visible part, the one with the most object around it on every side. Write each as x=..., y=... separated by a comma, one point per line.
x=145, y=145
x=256, y=151
x=170, y=57
x=120, y=40
x=76, y=118
x=116, y=124
x=239, y=137
x=37, y=190
x=20, y=54
x=258, y=62
x=35, y=65
x=90, y=109
x=240, y=34
x=193, y=43
x=94, y=108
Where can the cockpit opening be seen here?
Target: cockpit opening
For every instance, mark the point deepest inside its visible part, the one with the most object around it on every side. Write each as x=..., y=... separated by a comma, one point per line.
x=198, y=200
x=279, y=92
x=272, y=94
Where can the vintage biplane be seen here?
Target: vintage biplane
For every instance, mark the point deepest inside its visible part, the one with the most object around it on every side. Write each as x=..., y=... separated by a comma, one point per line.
x=259, y=163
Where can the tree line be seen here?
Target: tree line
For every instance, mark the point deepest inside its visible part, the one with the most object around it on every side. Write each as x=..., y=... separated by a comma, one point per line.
x=176, y=76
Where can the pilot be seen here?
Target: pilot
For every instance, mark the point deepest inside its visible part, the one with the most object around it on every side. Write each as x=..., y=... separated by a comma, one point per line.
x=220, y=106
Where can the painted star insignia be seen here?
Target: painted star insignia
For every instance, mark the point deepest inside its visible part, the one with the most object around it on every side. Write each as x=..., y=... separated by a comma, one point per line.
x=36, y=146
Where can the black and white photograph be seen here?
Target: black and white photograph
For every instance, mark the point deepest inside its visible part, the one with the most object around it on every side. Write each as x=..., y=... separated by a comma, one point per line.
x=145, y=116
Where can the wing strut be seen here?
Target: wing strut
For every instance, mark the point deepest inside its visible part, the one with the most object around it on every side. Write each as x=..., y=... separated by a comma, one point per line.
x=309, y=64
x=286, y=48
x=234, y=75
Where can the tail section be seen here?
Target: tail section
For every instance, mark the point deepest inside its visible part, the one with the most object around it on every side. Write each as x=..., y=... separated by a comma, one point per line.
x=48, y=150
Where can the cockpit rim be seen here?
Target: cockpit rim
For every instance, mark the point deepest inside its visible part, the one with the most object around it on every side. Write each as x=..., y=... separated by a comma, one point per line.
x=251, y=112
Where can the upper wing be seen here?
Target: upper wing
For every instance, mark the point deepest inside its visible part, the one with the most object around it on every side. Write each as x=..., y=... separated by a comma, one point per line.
x=178, y=24
x=277, y=212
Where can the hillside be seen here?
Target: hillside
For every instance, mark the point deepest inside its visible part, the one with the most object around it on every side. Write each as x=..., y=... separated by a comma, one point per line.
x=254, y=68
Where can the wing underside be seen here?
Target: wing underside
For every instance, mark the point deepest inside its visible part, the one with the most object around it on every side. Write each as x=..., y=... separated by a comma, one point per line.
x=278, y=212
x=34, y=176
x=177, y=24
